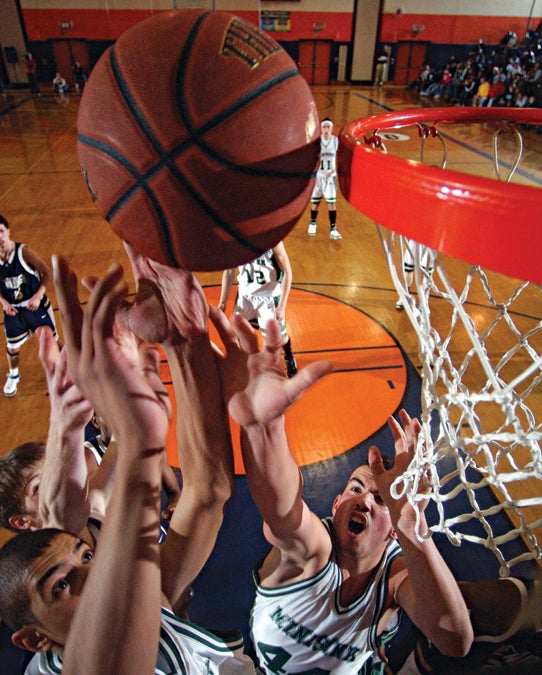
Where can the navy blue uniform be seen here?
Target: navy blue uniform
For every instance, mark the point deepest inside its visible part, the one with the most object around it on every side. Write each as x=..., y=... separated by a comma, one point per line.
x=18, y=283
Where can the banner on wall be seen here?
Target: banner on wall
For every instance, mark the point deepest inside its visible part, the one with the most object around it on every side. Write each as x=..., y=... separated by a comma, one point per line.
x=278, y=21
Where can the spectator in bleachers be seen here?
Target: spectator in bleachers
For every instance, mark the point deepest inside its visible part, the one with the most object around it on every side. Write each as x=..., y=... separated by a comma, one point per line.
x=497, y=89
x=482, y=93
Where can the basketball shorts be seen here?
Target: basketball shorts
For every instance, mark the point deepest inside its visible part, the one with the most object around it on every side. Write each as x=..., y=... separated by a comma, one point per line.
x=20, y=327
x=258, y=310
x=326, y=187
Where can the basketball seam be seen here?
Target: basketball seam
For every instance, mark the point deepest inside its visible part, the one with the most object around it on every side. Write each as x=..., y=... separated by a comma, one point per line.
x=166, y=159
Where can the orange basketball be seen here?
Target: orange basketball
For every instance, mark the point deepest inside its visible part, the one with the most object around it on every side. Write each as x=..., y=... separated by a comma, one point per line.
x=198, y=139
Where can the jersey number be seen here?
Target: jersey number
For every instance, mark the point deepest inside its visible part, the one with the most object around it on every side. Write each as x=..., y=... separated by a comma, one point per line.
x=258, y=274
x=276, y=657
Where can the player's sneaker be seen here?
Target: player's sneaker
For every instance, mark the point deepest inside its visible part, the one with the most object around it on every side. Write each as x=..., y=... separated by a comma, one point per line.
x=312, y=229
x=291, y=366
x=335, y=234
x=399, y=304
x=10, y=388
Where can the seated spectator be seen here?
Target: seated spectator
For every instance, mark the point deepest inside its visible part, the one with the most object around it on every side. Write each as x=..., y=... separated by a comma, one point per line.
x=496, y=90
x=444, y=84
x=423, y=80
x=482, y=93
x=467, y=92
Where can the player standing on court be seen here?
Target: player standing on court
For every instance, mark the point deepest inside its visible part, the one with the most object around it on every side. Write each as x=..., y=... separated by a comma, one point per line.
x=326, y=180
x=264, y=287
x=23, y=280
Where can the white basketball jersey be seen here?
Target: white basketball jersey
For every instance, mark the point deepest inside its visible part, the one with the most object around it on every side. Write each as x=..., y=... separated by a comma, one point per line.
x=303, y=627
x=328, y=154
x=184, y=648
x=260, y=277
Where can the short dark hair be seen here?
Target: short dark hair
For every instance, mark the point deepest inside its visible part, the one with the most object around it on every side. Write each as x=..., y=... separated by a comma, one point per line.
x=15, y=557
x=11, y=479
x=4, y=222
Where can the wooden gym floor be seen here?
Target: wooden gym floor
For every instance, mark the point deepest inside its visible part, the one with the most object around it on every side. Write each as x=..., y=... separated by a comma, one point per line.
x=45, y=199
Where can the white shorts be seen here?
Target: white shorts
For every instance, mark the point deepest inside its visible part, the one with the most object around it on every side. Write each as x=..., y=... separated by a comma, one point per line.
x=260, y=309
x=326, y=187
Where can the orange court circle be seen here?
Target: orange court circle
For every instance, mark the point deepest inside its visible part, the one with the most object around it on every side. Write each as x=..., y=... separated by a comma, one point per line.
x=353, y=402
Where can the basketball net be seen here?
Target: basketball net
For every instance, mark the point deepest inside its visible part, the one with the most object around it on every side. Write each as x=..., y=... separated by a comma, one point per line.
x=479, y=344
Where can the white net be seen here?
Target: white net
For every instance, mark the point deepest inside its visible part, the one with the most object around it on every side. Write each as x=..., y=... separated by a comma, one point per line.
x=480, y=339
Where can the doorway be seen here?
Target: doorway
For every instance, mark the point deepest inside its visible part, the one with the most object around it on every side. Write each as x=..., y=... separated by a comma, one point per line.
x=314, y=60
x=410, y=58
x=66, y=52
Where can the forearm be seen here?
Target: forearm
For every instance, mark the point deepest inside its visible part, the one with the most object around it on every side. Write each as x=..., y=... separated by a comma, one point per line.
x=122, y=596
x=431, y=596
x=227, y=281
x=273, y=476
x=206, y=461
x=63, y=499
x=206, y=428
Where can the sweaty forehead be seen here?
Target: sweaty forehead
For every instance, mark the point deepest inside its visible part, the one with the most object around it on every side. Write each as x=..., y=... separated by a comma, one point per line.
x=55, y=553
x=364, y=472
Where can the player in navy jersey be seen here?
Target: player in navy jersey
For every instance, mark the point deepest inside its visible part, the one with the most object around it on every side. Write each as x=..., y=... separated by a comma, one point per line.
x=326, y=180
x=23, y=282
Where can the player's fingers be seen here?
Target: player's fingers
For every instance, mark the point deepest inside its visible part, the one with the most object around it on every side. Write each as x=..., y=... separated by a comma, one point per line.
x=102, y=288
x=273, y=336
x=247, y=336
x=150, y=367
x=223, y=327
x=306, y=377
x=89, y=282
x=100, y=315
x=48, y=350
x=400, y=438
x=375, y=461
x=65, y=282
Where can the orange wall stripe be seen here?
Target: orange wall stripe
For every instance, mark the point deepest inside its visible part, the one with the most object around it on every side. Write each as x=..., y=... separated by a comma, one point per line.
x=43, y=24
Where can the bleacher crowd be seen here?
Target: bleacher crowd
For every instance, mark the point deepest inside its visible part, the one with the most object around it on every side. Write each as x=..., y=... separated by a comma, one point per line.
x=506, y=75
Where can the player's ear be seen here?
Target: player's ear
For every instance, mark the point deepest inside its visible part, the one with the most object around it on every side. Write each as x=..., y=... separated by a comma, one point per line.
x=32, y=638
x=23, y=521
x=393, y=534
x=335, y=504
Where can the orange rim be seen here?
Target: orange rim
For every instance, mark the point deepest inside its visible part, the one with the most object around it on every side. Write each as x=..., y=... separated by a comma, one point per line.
x=482, y=221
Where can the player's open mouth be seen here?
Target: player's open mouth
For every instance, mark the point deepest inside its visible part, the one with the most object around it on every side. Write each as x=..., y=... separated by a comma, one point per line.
x=356, y=525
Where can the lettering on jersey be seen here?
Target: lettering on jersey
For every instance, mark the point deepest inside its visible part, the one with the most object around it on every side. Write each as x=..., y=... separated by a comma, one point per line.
x=244, y=42
x=15, y=284
x=303, y=635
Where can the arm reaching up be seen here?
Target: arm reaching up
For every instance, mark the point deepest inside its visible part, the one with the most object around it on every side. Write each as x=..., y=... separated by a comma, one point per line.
x=171, y=308
x=258, y=395
x=121, y=598
x=426, y=589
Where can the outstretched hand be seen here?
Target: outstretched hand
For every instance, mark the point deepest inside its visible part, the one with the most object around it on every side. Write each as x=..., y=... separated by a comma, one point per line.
x=405, y=439
x=128, y=397
x=169, y=306
x=254, y=386
x=68, y=404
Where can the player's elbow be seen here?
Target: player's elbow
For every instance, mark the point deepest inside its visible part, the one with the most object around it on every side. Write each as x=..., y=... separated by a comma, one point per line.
x=457, y=643
x=216, y=494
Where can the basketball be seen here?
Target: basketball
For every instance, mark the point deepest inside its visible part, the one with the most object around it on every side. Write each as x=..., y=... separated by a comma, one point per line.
x=198, y=139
